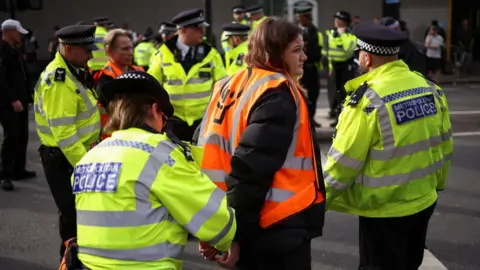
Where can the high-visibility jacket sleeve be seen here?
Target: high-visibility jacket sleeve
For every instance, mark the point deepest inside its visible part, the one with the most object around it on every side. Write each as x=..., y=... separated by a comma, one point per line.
x=349, y=150
x=155, y=68
x=447, y=146
x=219, y=72
x=195, y=202
x=349, y=42
x=60, y=108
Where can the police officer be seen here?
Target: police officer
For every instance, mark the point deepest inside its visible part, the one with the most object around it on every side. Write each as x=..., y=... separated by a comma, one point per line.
x=167, y=30
x=391, y=154
x=143, y=222
x=236, y=35
x=187, y=67
x=144, y=51
x=310, y=79
x=67, y=117
x=100, y=58
x=256, y=15
x=409, y=53
x=341, y=43
x=238, y=17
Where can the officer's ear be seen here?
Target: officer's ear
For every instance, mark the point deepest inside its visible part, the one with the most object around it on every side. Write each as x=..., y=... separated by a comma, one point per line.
x=368, y=59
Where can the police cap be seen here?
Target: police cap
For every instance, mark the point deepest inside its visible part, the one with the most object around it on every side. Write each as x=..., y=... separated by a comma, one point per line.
x=192, y=17
x=343, y=15
x=238, y=9
x=389, y=21
x=235, y=29
x=378, y=39
x=254, y=9
x=167, y=28
x=136, y=82
x=78, y=35
x=102, y=20
x=303, y=10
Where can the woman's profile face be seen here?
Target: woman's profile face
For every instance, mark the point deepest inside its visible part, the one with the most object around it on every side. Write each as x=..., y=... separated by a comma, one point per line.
x=294, y=56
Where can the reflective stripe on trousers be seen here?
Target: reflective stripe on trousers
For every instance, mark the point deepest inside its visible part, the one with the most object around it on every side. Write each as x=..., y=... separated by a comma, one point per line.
x=291, y=161
x=144, y=213
x=391, y=151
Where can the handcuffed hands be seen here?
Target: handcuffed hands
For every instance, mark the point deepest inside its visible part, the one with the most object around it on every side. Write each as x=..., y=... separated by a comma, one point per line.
x=226, y=260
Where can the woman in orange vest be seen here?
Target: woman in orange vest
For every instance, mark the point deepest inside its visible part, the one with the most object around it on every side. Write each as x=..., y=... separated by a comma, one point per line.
x=119, y=47
x=259, y=144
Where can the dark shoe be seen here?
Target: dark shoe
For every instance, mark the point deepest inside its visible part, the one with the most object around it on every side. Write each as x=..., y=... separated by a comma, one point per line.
x=24, y=175
x=7, y=185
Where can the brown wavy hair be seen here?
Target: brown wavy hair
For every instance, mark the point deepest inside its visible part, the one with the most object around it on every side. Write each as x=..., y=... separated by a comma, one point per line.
x=268, y=42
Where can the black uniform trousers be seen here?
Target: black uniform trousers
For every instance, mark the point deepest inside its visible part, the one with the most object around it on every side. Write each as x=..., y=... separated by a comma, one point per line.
x=180, y=128
x=343, y=73
x=58, y=172
x=311, y=82
x=14, y=146
x=298, y=259
x=393, y=243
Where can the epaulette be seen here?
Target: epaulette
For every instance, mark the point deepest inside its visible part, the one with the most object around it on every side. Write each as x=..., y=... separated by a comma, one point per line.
x=428, y=78
x=60, y=75
x=357, y=96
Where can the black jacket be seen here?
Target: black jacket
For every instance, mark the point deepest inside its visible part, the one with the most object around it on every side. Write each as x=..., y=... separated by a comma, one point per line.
x=260, y=154
x=412, y=56
x=14, y=78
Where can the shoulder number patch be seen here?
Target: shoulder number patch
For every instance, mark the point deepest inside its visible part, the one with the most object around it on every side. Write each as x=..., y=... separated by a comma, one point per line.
x=357, y=95
x=239, y=60
x=415, y=108
x=96, y=177
x=60, y=74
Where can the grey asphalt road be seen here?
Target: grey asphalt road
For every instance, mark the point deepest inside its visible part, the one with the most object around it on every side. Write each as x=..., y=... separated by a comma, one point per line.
x=28, y=219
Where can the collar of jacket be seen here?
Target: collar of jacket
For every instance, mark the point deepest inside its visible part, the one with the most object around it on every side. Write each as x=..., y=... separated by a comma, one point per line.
x=387, y=69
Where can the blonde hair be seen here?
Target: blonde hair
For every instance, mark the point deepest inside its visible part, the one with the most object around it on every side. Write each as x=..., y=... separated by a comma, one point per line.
x=113, y=35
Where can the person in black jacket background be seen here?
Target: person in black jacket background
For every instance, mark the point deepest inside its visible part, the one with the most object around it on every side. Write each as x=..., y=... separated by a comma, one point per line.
x=311, y=78
x=409, y=53
x=14, y=99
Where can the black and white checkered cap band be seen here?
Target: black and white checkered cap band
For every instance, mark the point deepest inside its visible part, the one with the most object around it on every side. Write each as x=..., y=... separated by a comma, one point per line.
x=236, y=33
x=80, y=40
x=191, y=22
x=135, y=76
x=379, y=50
x=164, y=29
x=255, y=11
x=238, y=10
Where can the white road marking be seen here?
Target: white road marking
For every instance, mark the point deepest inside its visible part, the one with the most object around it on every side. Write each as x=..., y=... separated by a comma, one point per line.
x=466, y=134
x=464, y=112
x=430, y=262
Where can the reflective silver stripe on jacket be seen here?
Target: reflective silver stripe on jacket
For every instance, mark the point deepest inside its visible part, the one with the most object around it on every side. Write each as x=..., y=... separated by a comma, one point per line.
x=177, y=82
x=144, y=213
x=291, y=161
x=152, y=253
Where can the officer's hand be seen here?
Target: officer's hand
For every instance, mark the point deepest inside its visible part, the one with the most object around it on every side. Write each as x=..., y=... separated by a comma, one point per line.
x=17, y=106
x=208, y=252
x=231, y=258
x=330, y=73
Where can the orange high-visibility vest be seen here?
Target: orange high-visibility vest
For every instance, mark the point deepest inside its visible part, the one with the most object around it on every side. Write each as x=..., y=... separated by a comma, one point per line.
x=113, y=71
x=295, y=186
